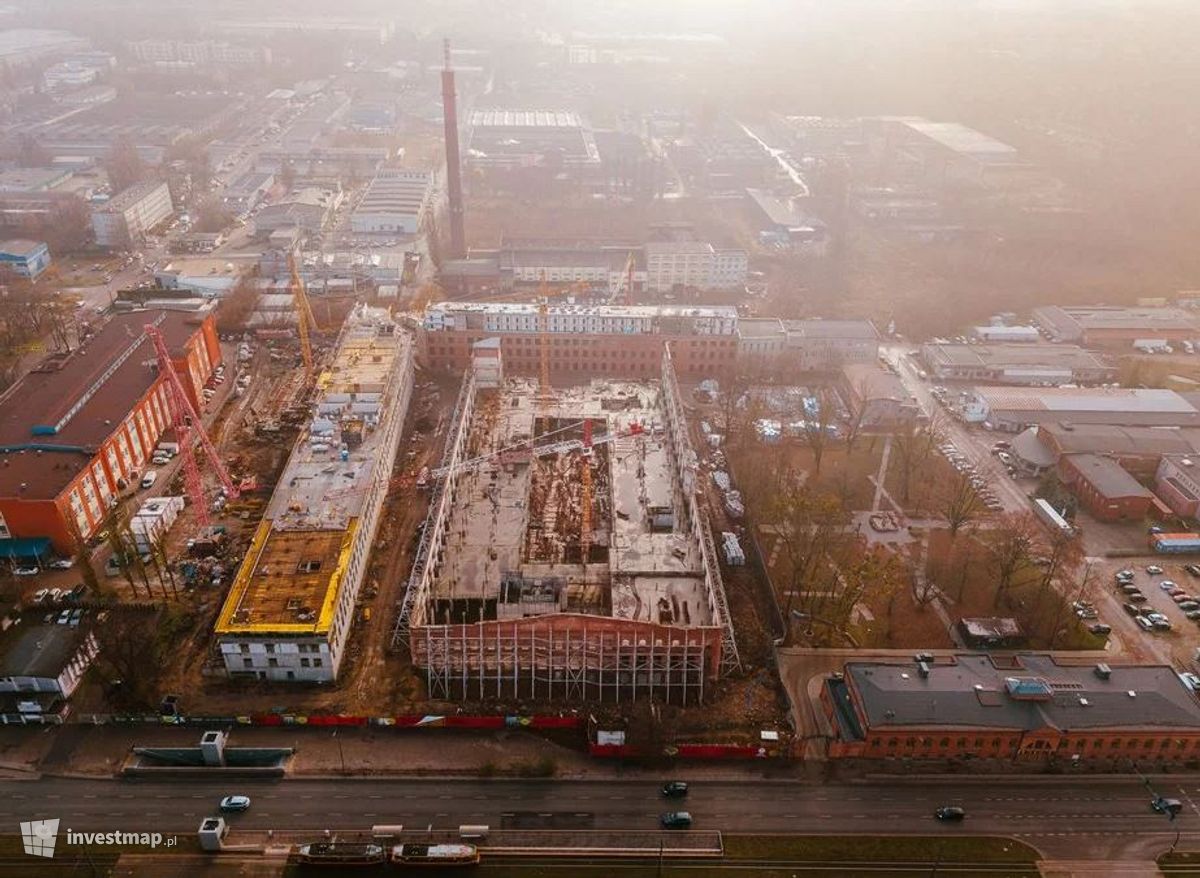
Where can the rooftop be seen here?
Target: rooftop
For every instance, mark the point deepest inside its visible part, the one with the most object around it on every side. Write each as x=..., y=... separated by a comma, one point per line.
x=816, y=328
x=524, y=119
x=31, y=179
x=870, y=382
x=1062, y=356
x=126, y=198
x=1119, y=441
x=963, y=140
x=1070, y=320
x=781, y=211
x=289, y=579
x=21, y=247
x=1035, y=692
x=1107, y=477
x=31, y=648
x=614, y=311
x=53, y=419
x=1096, y=399
x=404, y=191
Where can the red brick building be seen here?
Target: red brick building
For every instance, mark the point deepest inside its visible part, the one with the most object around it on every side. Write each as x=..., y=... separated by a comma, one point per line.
x=584, y=340
x=75, y=430
x=1104, y=489
x=1020, y=708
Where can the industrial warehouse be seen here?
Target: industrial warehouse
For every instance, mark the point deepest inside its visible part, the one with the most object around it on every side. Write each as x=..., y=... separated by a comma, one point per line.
x=290, y=609
x=565, y=555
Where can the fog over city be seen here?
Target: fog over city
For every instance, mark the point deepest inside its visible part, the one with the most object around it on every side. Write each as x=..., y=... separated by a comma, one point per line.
x=662, y=437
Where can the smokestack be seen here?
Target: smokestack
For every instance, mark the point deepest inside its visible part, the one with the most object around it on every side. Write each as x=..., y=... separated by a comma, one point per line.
x=458, y=237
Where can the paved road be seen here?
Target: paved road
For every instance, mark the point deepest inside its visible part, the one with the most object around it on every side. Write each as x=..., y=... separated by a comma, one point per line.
x=1078, y=817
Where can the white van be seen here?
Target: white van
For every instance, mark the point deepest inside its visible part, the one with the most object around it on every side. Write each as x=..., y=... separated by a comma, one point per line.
x=149, y=479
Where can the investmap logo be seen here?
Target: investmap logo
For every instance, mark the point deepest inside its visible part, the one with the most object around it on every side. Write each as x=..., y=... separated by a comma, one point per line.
x=39, y=837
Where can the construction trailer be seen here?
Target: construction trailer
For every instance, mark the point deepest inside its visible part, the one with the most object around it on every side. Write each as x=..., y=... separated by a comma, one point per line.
x=517, y=592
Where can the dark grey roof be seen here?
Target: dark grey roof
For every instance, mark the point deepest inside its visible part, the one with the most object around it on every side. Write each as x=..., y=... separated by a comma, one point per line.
x=974, y=691
x=1106, y=476
x=38, y=650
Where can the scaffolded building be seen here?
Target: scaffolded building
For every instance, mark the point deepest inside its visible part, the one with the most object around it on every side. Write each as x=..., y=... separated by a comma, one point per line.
x=289, y=612
x=565, y=555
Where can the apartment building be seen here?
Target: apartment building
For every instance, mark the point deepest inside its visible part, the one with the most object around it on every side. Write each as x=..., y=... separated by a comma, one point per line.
x=124, y=219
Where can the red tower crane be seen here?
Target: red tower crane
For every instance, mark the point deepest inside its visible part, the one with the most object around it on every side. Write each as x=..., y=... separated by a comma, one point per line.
x=186, y=422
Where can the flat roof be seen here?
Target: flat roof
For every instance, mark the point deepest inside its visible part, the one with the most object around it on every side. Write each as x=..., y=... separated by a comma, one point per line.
x=289, y=579
x=126, y=198
x=1035, y=692
x=782, y=211
x=21, y=247
x=77, y=403
x=35, y=649
x=1062, y=356
x=817, y=328
x=871, y=382
x=614, y=311
x=962, y=140
x=1106, y=476
x=1085, y=318
x=1117, y=400
x=498, y=118
x=1118, y=440
x=31, y=179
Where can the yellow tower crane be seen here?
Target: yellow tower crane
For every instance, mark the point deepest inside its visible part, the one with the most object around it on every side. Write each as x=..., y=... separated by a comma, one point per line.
x=304, y=317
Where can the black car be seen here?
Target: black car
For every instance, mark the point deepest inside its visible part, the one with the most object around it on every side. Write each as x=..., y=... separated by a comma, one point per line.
x=950, y=812
x=675, y=789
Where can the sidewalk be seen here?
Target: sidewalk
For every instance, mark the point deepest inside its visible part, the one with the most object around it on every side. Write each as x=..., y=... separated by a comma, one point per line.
x=98, y=751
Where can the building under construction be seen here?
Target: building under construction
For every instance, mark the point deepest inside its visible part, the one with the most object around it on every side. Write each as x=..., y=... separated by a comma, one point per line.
x=565, y=555
x=289, y=611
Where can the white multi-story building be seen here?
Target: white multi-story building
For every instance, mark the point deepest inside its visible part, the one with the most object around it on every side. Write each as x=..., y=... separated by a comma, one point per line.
x=289, y=612
x=672, y=264
x=126, y=217
x=396, y=202
x=198, y=53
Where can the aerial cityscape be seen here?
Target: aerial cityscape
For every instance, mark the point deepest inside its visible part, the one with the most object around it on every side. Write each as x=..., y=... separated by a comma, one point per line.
x=540, y=438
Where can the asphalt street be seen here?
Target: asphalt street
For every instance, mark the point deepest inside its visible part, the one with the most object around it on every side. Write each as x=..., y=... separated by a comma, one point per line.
x=1079, y=817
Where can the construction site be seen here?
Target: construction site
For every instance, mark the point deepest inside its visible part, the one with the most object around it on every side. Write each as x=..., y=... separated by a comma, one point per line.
x=565, y=555
x=291, y=606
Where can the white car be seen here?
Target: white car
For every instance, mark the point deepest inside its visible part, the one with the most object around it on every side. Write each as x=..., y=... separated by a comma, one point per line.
x=27, y=571
x=62, y=564
x=1154, y=569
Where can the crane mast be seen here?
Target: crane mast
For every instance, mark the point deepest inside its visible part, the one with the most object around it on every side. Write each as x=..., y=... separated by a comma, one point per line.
x=186, y=422
x=304, y=317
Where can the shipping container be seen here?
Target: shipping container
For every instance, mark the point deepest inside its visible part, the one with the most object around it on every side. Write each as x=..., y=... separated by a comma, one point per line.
x=1178, y=543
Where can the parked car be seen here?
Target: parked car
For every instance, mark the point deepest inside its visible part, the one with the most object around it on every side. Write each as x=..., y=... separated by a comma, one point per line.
x=1193, y=569
x=1154, y=569
x=1144, y=623
x=62, y=563
x=1100, y=629
x=27, y=571
x=1167, y=583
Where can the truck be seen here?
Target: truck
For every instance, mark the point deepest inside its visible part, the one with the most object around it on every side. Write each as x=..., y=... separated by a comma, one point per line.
x=1175, y=544
x=168, y=448
x=1052, y=518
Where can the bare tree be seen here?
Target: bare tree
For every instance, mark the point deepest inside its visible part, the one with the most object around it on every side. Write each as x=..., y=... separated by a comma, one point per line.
x=1013, y=541
x=960, y=504
x=912, y=446
x=853, y=427
x=130, y=652
x=817, y=429
x=124, y=165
